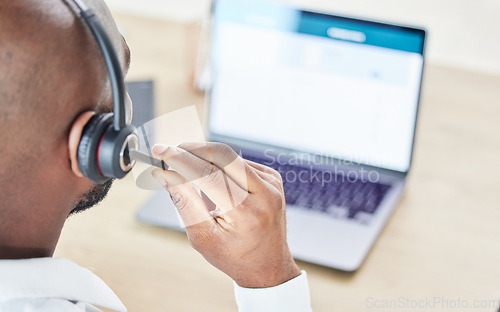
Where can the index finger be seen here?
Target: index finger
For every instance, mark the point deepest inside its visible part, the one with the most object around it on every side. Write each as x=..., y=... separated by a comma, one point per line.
x=227, y=159
x=190, y=206
x=221, y=189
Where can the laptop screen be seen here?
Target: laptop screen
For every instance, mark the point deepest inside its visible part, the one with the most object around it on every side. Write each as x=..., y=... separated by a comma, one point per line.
x=316, y=83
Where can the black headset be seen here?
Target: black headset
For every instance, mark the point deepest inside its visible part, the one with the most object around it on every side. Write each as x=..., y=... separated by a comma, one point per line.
x=107, y=139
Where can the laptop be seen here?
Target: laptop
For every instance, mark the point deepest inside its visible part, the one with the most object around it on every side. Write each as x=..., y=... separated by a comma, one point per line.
x=330, y=102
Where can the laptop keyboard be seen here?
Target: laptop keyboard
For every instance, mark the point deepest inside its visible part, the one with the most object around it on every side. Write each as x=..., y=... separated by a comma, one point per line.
x=335, y=194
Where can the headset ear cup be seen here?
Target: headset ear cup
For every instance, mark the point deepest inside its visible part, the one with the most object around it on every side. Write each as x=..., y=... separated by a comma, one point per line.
x=114, y=147
x=89, y=145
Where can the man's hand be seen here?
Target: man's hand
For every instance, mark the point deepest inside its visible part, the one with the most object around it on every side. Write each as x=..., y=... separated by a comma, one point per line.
x=245, y=237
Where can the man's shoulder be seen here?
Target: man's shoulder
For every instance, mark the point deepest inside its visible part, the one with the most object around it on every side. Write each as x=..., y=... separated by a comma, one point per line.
x=45, y=305
x=38, y=281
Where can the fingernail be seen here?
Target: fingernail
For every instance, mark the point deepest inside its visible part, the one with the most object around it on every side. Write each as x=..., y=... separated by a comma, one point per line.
x=176, y=199
x=158, y=176
x=216, y=213
x=159, y=149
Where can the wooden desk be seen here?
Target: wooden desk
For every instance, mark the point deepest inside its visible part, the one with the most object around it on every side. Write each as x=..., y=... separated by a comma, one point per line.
x=443, y=240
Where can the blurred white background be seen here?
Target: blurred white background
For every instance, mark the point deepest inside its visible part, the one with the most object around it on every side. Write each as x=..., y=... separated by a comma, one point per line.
x=462, y=33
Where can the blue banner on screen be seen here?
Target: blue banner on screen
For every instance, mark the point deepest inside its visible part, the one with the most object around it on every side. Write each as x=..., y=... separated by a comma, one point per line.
x=281, y=17
x=318, y=83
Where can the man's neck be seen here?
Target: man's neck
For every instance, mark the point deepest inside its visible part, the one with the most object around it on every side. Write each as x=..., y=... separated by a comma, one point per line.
x=7, y=252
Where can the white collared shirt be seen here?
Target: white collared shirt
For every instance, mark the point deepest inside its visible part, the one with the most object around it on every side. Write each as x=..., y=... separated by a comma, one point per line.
x=56, y=284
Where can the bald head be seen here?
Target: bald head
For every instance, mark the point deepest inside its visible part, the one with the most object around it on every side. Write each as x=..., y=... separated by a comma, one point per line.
x=51, y=71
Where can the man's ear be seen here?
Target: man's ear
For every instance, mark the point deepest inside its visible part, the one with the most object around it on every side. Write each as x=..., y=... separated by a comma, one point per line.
x=75, y=135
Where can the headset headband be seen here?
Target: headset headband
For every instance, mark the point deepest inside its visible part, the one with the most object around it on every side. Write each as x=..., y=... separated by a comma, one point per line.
x=112, y=64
